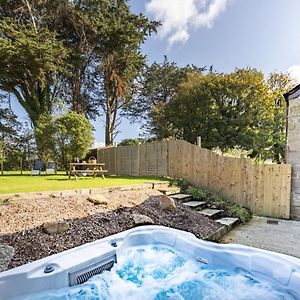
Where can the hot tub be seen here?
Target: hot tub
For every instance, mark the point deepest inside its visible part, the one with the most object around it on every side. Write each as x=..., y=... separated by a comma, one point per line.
x=182, y=262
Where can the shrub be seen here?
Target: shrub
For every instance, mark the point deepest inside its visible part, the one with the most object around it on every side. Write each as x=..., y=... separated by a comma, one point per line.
x=198, y=194
x=63, y=138
x=238, y=211
x=181, y=183
x=231, y=209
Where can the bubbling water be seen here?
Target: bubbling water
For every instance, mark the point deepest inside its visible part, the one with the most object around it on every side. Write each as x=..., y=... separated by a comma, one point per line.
x=159, y=273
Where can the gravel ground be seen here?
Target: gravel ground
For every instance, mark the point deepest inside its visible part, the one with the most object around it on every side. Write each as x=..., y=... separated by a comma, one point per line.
x=21, y=221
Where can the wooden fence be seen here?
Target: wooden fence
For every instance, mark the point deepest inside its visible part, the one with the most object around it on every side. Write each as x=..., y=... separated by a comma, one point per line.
x=264, y=188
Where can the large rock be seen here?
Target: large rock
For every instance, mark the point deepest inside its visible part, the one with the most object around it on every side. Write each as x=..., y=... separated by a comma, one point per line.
x=141, y=219
x=56, y=227
x=6, y=255
x=98, y=199
x=167, y=203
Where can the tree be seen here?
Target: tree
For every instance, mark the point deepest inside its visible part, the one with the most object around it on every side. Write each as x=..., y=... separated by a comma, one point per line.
x=68, y=136
x=94, y=44
x=226, y=110
x=23, y=150
x=157, y=86
x=30, y=65
x=73, y=137
x=78, y=25
x=8, y=120
x=279, y=83
x=121, y=59
x=9, y=127
x=128, y=142
x=45, y=146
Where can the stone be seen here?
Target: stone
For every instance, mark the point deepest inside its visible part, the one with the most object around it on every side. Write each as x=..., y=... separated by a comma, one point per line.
x=228, y=222
x=195, y=204
x=139, y=219
x=167, y=203
x=182, y=197
x=211, y=212
x=215, y=236
x=98, y=199
x=54, y=195
x=170, y=191
x=5, y=201
x=56, y=227
x=6, y=254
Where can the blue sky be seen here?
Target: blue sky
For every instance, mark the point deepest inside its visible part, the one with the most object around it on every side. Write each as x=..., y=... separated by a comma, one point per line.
x=264, y=34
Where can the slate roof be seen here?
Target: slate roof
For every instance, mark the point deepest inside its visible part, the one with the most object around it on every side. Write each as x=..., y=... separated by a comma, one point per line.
x=288, y=95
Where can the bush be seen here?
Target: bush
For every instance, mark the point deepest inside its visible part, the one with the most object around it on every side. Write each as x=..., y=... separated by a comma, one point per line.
x=231, y=209
x=238, y=211
x=198, y=194
x=63, y=138
x=181, y=183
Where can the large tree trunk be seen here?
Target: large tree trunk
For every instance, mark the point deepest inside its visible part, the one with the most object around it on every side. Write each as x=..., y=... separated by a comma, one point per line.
x=108, y=128
x=76, y=90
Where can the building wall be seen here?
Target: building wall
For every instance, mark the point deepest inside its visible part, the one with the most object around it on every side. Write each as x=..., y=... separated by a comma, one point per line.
x=293, y=153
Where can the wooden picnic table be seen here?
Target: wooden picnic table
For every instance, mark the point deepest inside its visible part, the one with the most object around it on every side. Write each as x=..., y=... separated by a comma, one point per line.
x=88, y=169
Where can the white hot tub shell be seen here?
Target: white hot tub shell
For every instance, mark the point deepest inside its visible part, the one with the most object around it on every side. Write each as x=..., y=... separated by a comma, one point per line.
x=76, y=265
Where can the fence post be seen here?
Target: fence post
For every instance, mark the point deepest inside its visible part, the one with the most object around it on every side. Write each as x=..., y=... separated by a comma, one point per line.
x=199, y=141
x=138, y=159
x=116, y=160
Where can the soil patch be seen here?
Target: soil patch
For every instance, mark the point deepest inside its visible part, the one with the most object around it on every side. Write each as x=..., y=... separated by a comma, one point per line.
x=89, y=222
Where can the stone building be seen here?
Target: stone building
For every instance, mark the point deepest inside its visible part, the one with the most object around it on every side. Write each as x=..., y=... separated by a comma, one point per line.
x=293, y=146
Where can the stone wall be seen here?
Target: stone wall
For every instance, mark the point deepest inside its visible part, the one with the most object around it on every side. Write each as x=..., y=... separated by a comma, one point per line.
x=293, y=153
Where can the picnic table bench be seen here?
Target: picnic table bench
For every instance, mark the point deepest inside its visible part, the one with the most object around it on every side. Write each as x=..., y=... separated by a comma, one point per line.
x=87, y=168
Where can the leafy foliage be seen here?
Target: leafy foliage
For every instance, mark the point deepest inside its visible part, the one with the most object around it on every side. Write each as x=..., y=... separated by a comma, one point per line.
x=73, y=137
x=23, y=150
x=235, y=110
x=9, y=124
x=231, y=209
x=158, y=85
x=45, y=146
x=198, y=194
x=29, y=65
x=69, y=136
x=128, y=142
x=86, y=52
x=224, y=109
x=121, y=59
x=279, y=84
x=9, y=127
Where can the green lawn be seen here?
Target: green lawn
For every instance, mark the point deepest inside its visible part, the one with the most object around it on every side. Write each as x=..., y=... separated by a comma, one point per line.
x=13, y=182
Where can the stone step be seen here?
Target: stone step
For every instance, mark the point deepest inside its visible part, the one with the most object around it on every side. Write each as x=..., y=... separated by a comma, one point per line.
x=212, y=213
x=182, y=197
x=217, y=235
x=228, y=222
x=169, y=192
x=195, y=204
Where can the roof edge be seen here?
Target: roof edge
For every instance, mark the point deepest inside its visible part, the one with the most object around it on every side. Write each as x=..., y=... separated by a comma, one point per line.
x=289, y=95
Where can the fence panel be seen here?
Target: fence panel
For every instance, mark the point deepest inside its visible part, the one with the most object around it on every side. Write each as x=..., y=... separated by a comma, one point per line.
x=265, y=189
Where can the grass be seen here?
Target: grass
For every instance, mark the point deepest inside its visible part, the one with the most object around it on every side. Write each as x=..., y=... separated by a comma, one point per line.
x=14, y=182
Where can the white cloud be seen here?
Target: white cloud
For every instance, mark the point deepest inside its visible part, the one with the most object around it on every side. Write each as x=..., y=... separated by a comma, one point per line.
x=178, y=17
x=295, y=72
x=179, y=36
